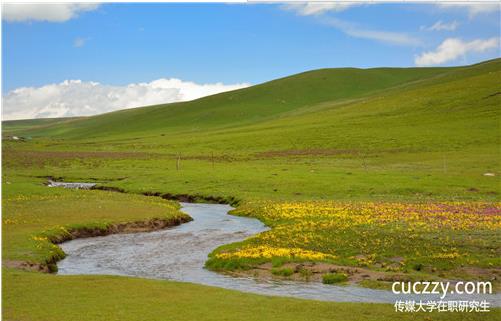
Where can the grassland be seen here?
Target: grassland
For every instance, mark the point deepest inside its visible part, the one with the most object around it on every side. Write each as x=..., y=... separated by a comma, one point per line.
x=37, y=297
x=380, y=136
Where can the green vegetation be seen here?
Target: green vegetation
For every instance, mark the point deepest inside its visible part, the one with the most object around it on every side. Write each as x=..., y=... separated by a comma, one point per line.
x=282, y=271
x=39, y=297
x=12, y=126
x=400, y=136
x=331, y=278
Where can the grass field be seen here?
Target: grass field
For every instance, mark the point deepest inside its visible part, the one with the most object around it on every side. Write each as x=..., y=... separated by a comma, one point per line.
x=316, y=156
x=36, y=296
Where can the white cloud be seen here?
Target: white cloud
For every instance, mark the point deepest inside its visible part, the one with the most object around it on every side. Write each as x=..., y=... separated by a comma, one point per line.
x=473, y=9
x=78, y=98
x=442, y=26
x=452, y=48
x=391, y=37
x=79, y=42
x=317, y=8
x=52, y=12
x=320, y=8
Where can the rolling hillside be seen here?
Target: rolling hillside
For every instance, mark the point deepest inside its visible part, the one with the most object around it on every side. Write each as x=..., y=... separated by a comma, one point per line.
x=349, y=109
x=246, y=106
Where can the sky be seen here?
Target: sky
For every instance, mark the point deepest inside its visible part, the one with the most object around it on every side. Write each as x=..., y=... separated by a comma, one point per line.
x=63, y=60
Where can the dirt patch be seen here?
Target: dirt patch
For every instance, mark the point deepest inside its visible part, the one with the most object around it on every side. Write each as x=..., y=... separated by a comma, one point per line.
x=311, y=271
x=490, y=274
x=323, y=152
x=41, y=158
x=27, y=266
x=209, y=158
x=307, y=152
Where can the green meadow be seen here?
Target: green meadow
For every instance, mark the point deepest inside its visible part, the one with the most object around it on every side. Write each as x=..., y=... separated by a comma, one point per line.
x=382, y=136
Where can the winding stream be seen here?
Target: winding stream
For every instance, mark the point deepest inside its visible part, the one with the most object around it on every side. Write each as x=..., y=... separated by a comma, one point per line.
x=179, y=254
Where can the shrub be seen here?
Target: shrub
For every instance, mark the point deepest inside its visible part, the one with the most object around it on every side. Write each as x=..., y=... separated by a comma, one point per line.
x=331, y=278
x=282, y=272
x=418, y=266
x=305, y=273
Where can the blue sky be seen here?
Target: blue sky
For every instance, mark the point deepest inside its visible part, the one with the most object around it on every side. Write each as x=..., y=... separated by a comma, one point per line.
x=122, y=44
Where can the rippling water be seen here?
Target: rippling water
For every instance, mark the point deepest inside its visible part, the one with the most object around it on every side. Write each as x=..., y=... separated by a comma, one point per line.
x=179, y=253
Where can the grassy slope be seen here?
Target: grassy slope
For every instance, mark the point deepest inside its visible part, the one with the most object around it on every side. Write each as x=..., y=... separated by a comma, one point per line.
x=11, y=126
x=244, y=106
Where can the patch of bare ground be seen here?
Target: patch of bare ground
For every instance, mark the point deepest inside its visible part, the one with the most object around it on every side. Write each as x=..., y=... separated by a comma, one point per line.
x=307, y=152
x=321, y=152
x=208, y=157
x=311, y=271
x=488, y=274
x=27, y=266
x=39, y=158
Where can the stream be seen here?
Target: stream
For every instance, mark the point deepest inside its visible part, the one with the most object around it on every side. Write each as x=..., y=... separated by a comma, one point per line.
x=179, y=254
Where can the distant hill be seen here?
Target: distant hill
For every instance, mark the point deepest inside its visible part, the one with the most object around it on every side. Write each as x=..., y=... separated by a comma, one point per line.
x=243, y=106
x=346, y=108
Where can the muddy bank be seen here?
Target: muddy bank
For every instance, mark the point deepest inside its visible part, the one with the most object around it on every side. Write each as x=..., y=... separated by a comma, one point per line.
x=150, y=225
x=50, y=265
x=195, y=198
x=357, y=276
x=27, y=266
x=313, y=272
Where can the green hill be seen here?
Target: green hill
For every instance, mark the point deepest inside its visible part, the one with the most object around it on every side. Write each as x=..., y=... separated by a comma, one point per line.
x=245, y=106
x=417, y=108
x=15, y=126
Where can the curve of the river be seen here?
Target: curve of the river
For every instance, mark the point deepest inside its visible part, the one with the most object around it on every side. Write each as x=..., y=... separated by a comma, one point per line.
x=179, y=254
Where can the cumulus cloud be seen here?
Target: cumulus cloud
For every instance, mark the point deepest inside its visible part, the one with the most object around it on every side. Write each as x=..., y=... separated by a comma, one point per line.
x=52, y=12
x=442, y=26
x=390, y=37
x=473, y=8
x=79, y=98
x=317, y=8
x=452, y=48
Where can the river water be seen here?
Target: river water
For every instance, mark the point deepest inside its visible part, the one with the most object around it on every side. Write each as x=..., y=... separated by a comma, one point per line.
x=179, y=254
